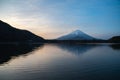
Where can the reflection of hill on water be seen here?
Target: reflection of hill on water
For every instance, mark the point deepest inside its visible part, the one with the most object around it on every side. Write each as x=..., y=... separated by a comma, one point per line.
x=76, y=49
x=8, y=51
x=115, y=46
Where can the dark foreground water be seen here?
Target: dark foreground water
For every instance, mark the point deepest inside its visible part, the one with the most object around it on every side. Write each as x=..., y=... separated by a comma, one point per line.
x=60, y=62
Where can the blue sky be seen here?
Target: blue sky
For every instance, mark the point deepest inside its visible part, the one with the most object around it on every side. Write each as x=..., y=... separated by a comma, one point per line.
x=53, y=18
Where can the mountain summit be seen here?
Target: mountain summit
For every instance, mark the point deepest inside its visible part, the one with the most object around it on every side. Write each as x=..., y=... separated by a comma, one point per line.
x=77, y=35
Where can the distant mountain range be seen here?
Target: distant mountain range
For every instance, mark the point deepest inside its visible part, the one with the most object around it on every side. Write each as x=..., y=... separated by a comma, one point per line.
x=76, y=35
x=11, y=34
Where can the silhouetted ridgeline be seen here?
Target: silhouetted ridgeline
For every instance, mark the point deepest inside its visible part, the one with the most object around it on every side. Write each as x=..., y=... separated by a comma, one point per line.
x=115, y=39
x=11, y=34
x=81, y=41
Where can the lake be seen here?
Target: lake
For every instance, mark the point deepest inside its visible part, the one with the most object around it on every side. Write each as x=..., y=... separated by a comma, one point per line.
x=60, y=62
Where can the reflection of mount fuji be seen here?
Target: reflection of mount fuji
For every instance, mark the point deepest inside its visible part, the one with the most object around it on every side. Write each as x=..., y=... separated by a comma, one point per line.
x=76, y=48
x=7, y=52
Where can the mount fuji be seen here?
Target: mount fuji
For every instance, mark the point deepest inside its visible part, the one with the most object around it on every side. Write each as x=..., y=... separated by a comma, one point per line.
x=76, y=35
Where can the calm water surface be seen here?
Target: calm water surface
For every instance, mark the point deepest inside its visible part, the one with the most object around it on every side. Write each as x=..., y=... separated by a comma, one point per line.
x=60, y=62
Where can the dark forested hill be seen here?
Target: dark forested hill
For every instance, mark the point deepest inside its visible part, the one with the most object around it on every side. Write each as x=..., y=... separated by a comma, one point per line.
x=11, y=34
x=115, y=39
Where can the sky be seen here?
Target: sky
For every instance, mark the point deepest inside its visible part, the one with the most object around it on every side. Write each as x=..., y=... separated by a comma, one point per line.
x=53, y=18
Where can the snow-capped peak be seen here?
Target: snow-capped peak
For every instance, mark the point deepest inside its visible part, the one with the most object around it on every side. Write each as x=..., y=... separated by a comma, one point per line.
x=77, y=32
x=76, y=35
